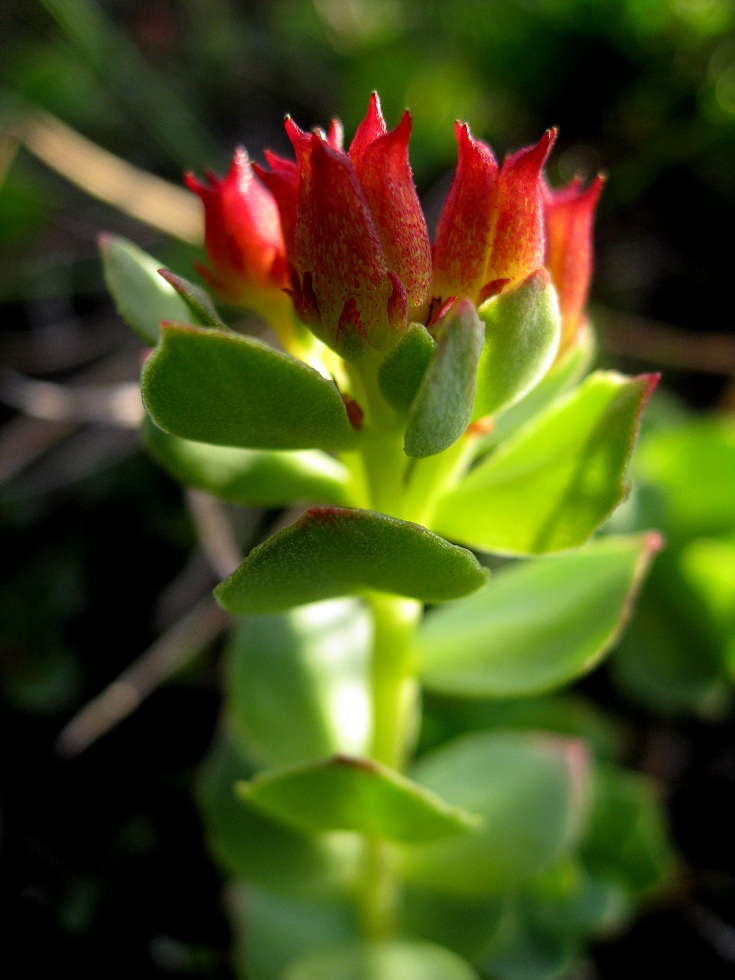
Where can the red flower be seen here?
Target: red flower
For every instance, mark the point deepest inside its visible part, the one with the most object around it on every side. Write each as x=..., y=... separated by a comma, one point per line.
x=342, y=238
x=568, y=216
x=243, y=239
x=490, y=233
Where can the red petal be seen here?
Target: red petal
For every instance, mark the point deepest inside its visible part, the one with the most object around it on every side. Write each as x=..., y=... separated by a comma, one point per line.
x=338, y=243
x=371, y=128
x=568, y=214
x=385, y=174
x=282, y=180
x=462, y=236
x=335, y=134
x=517, y=234
x=300, y=141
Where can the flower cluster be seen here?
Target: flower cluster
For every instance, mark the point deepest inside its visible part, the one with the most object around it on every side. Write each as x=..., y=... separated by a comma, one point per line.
x=344, y=236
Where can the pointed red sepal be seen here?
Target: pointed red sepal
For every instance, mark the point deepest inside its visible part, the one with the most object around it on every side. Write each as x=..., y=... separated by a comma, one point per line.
x=568, y=218
x=517, y=234
x=351, y=337
x=385, y=174
x=462, y=236
x=371, y=128
x=490, y=289
x=438, y=310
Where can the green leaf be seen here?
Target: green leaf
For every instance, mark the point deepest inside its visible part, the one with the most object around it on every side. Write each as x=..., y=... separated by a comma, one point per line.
x=254, y=477
x=571, y=715
x=296, y=684
x=522, y=330
x=567, y=901
x=142, y=298
x=520, y=950
x=671, y=658
x=218, y=387
x=530, y=790
x=248, y=843
x=383, y=961
x=556, y=480
x=565, y=372
x=536, y=625
x=343, y=793
x=272, y=929
x=200, y=305
x=334, y=551
x=627, y=841
x=400, y=374
x=461, y=923
x=442, y=407
x=692, y=468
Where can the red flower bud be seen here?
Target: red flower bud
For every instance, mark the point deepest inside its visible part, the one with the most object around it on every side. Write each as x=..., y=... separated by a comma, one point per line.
x=568, y=217
x=361, y=248
x=243, y=238
x=490, y=232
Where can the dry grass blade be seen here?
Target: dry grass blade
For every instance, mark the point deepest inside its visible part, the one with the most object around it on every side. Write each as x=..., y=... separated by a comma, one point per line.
x=115, y=404
x=103, y=175
x=166, y=657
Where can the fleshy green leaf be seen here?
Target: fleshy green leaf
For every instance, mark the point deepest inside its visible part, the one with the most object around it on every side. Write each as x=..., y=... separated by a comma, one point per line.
x=567, y=901
x=692, y=467
x=556, y=480
x=567, y=714
x=343, y=793
x=671, y=659
x=383, y=961
x=254, y=477
x=521, y=950
x=530, y=791
x=628, y=840
x=250, y=844
x=461, y=923
x=272, y=929
x=297, y=683
x=442, y=407
x=142, y=298
x=522, y=329
x=218, y=387
x=334, y=551
x=536, y=625
x=200, y=305
x=566, y=371
x=400, y=374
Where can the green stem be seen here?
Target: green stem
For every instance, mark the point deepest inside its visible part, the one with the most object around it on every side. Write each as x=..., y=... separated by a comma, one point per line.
x=395, y=721
x=431, y=478
x=381, y=458
x=393, y=677
x=378, y=898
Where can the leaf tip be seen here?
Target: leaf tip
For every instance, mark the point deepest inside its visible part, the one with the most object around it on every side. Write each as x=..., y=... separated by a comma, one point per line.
x=649, y=382
x=654, y=542
x=351, y=762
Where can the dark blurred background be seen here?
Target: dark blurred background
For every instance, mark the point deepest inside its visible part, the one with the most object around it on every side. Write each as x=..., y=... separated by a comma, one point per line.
x=102, y=864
